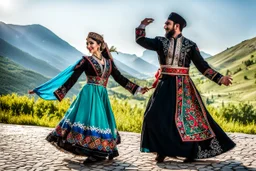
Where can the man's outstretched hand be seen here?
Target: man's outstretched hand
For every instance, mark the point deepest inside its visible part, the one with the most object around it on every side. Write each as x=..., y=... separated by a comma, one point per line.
x=226, y=80
x=147, y=21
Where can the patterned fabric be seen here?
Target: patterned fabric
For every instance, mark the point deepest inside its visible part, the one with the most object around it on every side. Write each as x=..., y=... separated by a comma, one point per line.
x=174, y=71
x=60, y=93
x=190, y=117
x=108, y=69
x=95, y=65
x=177, y=52
x=130, y=86
x=214, y=150
x=166, y=47
x=103, y=74
x=213, y=75
x=140, y=33
x=86, y=136
x=97, y=80
x=210, y=73
x=185, y=50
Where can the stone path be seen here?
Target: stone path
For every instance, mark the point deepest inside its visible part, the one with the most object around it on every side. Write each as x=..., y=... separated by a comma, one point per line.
x=24, y=148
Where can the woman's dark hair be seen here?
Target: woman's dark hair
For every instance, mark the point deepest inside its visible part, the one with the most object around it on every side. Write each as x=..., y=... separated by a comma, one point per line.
x=103, y=51
x=98, y=41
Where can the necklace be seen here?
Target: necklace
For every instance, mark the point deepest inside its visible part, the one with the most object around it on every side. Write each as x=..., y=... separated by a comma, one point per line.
x=100, y=58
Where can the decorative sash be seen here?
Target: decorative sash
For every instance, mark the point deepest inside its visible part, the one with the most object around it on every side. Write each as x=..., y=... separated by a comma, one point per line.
x=169, y=70
x=97, y=80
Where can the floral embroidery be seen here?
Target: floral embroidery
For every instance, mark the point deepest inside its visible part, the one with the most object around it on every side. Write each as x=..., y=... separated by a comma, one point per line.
x=166, y=44
x=190, y=117
x=215, y=150
x=185, y=49
x=86, y=136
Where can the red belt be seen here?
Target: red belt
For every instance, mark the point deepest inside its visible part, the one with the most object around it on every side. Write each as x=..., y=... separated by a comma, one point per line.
x=168, y=70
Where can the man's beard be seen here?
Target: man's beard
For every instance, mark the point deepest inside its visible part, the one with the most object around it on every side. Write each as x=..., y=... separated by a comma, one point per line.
x=169, y=34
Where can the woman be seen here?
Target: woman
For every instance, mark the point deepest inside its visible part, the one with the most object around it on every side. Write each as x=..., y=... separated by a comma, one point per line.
x=88, y=127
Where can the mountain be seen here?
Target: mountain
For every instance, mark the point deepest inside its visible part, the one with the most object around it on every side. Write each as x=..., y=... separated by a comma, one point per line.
x=124, y=69
x=26, y=60
x=151, y=57
x=41, y=43
x=144, y=67
x=136, y=63
x=205, y=55
x=238, y=61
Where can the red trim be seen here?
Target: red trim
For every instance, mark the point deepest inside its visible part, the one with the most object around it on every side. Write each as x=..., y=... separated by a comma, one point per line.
x=174, y=71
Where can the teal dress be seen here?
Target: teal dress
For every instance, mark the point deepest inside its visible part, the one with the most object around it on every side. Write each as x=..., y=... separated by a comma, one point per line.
x=88, y=127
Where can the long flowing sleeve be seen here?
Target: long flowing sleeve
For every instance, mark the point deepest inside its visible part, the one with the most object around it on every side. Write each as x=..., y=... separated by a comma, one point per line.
x=123, y=81
x=148, y=43
x=204, y=67
x=63, y=90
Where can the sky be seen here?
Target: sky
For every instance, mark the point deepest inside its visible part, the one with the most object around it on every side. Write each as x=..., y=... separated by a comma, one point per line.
x=213, y=24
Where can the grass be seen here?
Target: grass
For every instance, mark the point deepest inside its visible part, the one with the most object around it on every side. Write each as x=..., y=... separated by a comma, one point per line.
x=25, y=110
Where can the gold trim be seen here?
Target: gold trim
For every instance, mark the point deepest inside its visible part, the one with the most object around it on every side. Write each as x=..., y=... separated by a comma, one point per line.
x=220, y=80
x=170, y=66
x=166, y=73
x=206, y=71
x=139, y=37
x=214, y=76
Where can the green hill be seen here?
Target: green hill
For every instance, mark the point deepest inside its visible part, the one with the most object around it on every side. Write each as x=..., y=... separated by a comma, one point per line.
x=26, y=60
x=15, y=78
x=238, y=61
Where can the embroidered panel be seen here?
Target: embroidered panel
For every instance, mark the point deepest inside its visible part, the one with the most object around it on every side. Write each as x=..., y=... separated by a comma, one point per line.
x=190, y=117
x=97, y=80
x=177, y=51
x=185, y=49
x=107, y=69
x=95, y=64
x=165, y=43
x=86, y=136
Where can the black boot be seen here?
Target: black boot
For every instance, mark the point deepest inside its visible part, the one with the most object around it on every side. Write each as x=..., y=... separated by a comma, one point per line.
x=93, y=159
x=110, y=157
x=189, y=160
x=160, y=158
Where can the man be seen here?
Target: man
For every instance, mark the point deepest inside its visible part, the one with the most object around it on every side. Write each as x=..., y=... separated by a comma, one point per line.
x=176, y=122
